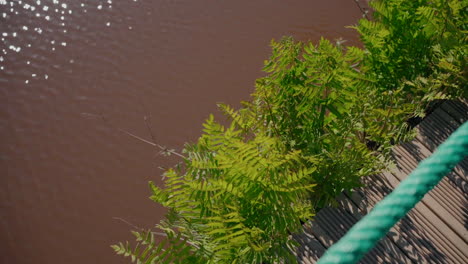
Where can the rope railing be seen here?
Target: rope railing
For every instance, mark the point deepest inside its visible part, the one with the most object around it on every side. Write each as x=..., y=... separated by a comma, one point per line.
x=363, y=236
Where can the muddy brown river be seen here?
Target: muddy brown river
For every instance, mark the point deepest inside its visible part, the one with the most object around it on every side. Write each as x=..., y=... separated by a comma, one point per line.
x=74, y=72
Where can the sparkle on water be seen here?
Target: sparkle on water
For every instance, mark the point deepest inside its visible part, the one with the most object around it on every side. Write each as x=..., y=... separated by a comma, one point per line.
x=44, y=14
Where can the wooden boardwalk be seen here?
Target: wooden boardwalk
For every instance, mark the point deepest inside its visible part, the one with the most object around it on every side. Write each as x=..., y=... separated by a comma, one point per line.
x=435, y=231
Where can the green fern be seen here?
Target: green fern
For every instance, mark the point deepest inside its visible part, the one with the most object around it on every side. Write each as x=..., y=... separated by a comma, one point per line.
x=147, y=251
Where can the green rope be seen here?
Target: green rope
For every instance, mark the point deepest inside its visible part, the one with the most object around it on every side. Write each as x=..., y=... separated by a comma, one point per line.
x=369, y=230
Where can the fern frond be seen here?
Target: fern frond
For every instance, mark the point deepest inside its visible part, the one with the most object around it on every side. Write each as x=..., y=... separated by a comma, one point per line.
x=148, y=251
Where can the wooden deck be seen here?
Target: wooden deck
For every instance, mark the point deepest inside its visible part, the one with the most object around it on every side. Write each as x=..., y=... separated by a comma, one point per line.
x=435, y=231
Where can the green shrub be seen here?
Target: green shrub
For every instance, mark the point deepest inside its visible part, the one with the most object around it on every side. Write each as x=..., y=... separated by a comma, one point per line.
x=311, y=101
x=324, y=116
x=415, y=53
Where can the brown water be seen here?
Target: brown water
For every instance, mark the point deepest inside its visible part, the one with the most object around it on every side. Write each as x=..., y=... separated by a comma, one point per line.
x=66, y=174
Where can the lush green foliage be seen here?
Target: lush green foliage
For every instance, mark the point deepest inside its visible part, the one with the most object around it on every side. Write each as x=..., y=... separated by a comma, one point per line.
x=415, y=52
x=323, y=117
x=417, y=39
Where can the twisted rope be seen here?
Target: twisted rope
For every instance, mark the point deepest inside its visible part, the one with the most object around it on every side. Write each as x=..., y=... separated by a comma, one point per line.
x=369, y=230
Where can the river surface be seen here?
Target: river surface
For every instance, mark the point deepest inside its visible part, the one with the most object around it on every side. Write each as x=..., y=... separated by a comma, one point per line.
x=74, y=72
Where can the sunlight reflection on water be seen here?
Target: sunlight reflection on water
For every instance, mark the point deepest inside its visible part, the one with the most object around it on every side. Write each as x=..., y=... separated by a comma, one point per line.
x=48, y=19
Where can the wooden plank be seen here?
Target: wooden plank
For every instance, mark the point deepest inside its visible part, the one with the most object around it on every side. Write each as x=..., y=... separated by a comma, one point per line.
x=419, y=152
x=331, y=224
x=435, y=129
x=414, y=234
x=335, y=223
x=310, y=249
x=447, y=202
x=410, y=161
x=457, y=110
x=390, y=251
x=429, y=134
x=421, y=234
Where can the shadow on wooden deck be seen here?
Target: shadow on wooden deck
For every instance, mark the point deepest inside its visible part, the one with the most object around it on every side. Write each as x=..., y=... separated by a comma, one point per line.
x=435, y=231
